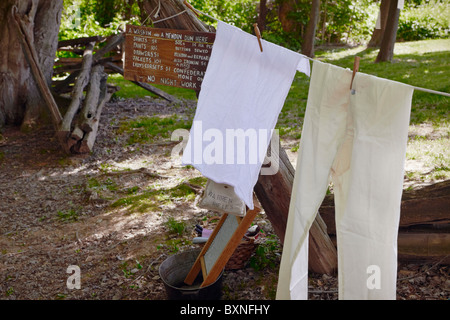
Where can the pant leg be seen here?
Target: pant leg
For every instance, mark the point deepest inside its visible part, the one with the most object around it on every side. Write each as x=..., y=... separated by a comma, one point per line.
x=369, y=196
x=324, y=128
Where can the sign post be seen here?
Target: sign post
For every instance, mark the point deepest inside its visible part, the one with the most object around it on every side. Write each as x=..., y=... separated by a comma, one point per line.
x=176, y=58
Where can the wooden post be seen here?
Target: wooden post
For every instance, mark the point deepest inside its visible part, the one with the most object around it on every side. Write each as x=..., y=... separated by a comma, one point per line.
x=274, y=194
x=80, y=84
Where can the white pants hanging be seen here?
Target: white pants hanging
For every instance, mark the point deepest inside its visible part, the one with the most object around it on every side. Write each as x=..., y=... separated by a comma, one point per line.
x=359, y=141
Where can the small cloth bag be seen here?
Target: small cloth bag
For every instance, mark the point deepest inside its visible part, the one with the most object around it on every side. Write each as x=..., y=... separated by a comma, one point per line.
x=222, y=198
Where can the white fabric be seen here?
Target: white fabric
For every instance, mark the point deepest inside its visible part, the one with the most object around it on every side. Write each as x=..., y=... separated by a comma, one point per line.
x=243, y=89
x=359, y=140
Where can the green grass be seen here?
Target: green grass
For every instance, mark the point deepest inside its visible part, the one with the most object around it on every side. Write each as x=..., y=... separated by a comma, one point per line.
x=149, y=129
x=69, y=215
x=176, y=227
x=423, y=64
x=151, y=199
x=129, y=90
x=434, y=154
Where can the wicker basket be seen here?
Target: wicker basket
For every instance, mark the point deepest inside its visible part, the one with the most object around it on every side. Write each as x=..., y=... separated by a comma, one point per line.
x=242, y=254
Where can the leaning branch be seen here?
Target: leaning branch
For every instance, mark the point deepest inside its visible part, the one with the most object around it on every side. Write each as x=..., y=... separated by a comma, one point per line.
x=32, y=58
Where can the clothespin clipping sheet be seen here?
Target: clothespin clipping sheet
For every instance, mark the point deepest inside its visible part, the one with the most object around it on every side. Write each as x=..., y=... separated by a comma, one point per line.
x=258, y=35
x=355, y=70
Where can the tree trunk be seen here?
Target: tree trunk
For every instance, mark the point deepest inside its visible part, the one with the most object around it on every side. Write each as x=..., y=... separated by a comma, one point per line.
x=285, y=8
x=310, y=34
x=157, y=10
x=262, y=15
x=20, y=100
x=390, y=33
x=377, y=35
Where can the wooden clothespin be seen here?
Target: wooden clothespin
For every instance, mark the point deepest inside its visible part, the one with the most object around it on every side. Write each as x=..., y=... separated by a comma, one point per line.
x=355, y=69
x=258, y=35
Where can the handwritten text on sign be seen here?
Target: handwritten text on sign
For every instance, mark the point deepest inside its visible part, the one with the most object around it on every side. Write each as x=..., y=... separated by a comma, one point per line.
x=176, y=58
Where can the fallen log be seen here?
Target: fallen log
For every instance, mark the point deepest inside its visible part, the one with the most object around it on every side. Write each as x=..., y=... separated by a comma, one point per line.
x=420, y=247
x=68, y=61
x=73, y=64
x=73, y=50
x=83, y=41
x=424, y=246
x=427, y=205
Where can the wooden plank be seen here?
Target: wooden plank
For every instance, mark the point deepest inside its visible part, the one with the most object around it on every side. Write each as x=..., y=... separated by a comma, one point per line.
x=79, y=41
x=146, y=86
x=274, y=194
x=197, y=264
x=177, y=58
x=424, y=246
x=230, y=247
x=80, y=84
x=219, y=242
x=220, y=246
x=203, y=264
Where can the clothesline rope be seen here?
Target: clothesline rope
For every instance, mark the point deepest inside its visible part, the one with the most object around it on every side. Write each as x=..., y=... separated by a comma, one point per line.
x=168, y=18
x=446, y=94
x=432, y=91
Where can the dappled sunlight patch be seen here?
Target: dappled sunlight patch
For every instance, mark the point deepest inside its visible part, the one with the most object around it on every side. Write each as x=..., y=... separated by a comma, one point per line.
x=155, y=199
x=427, y=154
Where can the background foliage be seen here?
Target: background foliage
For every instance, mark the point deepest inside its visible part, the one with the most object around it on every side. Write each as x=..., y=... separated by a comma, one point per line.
x=340, y=22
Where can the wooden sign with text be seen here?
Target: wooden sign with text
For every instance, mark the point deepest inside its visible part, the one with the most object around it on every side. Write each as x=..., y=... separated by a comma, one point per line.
x=176, y=58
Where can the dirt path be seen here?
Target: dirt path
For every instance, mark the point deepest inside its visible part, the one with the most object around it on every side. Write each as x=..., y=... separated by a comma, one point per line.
x=58, y=211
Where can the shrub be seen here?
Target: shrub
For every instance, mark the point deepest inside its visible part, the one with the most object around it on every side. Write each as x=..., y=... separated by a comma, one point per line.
x=427, y=20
